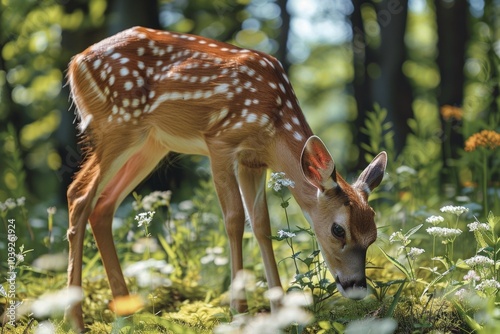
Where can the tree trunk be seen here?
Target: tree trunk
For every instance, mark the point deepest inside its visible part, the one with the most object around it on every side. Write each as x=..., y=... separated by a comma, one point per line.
x=391, y=90
x=282, y=52
x=128, y=13
x=452, y=38
x=362, y=56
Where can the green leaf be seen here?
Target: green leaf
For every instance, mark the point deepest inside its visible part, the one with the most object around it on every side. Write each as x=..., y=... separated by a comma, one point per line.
x=170, y=252
x=493, y=220
x=413, y=230
x=390, y=311
x=308, y=261
x=463, y=314
x=397, y=264
x=480, y=239
x=437, y=279
x=2, y=291
x=339, y=328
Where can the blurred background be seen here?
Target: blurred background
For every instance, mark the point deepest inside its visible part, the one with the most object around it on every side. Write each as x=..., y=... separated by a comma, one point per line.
x=385, y=68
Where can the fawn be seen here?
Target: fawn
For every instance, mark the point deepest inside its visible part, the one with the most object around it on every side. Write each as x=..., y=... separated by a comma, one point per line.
x=143, y=93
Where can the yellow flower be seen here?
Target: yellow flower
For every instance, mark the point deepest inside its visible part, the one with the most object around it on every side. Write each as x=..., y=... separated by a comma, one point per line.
x=487, y=138
x=126, y=305
x=450, y=112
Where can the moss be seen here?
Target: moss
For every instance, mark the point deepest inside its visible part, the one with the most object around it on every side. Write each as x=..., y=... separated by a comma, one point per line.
x=200, y=314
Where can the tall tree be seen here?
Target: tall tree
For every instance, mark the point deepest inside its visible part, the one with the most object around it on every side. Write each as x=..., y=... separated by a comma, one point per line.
x=389, y=87
x=282, y=52
x=452, y=30
x=128, y=13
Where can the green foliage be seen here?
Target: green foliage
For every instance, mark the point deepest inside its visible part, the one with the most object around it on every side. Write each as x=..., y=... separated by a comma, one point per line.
x=380, y=133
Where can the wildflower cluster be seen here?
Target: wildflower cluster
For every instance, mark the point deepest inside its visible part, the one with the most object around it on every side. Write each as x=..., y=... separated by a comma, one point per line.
x=278, y=181
x=483, y=273
x=214, y=254
x=414, y=252
x=150, y=272
x=284, y=234
x=444, y=232
x=487, y=138
x=456, y=210
x=450, y=112
x=447, y=235
x=479, y=261
x=434, y=220
x=410, y=253
x=471, y=276
x=12, y=203
x=290, y=313
x=144, y=218
x=477, y=226
x=152, y=201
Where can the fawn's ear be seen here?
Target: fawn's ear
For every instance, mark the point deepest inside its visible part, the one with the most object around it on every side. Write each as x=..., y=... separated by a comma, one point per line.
x=373, y=174
x=317, y=164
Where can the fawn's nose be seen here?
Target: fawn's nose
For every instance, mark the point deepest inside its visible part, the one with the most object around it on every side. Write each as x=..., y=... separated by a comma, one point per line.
x=352, y=288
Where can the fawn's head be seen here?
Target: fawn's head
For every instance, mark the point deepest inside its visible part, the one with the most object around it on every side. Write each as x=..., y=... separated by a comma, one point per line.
x=342, y=219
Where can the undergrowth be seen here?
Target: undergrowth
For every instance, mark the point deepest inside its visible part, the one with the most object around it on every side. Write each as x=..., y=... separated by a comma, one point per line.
x=435, y=267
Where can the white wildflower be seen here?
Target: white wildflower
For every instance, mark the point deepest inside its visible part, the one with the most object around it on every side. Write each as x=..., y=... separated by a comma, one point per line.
x=10, y=204
x=285, y=234
x=477, y=226
x=153, y=200
x=290, y=315
x=462, y=294
x=278, y=180
x=443, y=232
x=55, y=303
x=56, y=262
x=150, y=272
x=20, y=258
x=372, y=325
x=137, y=267
x=297, y=298
x=221, y=261
x=186, y=205
x=479, y=261
x=398, y=236
x=456, y=210
x=51, y=210
x=414, y=252
x=434, y=220
x=291, y=312
x=144, y=218
x=488, y=284
x=243, y=281
x=45, y=327
x=213, y=254
x=20, y=201
x=472, y=276
x=274, y=294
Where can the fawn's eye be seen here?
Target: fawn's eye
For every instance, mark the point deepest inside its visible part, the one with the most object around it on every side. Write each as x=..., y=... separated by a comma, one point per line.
x=338, y=231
